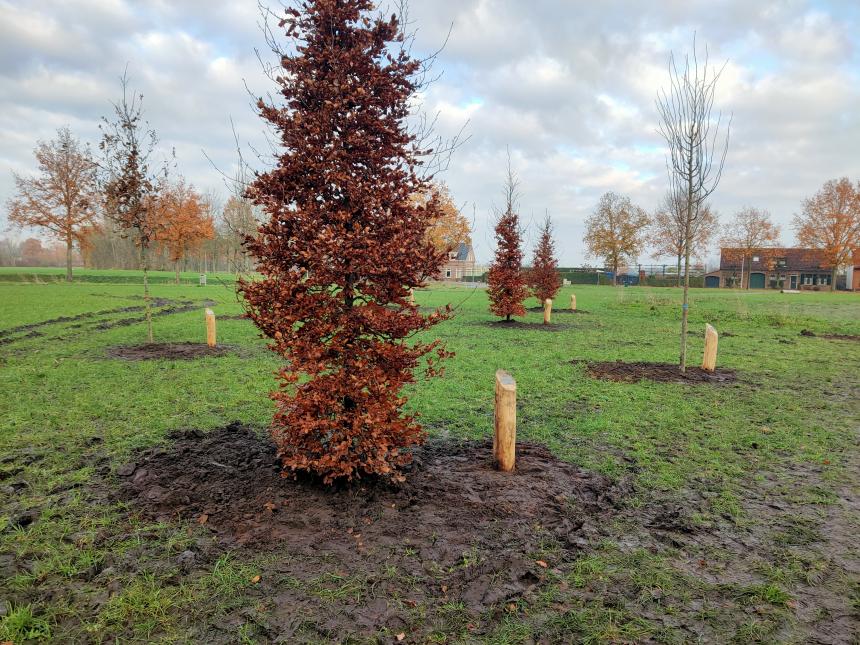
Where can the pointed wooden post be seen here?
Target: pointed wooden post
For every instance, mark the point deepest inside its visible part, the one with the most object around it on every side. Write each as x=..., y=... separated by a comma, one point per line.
x=210, y=328
x=709, y=359
x=411, y=296
x=547, y=311
x=573, y=302
x=505, y=422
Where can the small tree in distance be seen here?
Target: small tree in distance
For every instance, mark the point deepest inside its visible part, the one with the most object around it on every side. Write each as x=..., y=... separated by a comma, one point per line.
x=451, y=228
x=831, y=222
x=544, y=278
x=506, y=284
x=668, y=235
x=64, y=198
x=616, y=231
x=183, y=223
x=344, y=244
x=750, y=229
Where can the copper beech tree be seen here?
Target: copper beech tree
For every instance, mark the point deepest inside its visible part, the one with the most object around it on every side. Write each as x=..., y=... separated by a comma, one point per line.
x=831, y=222
x=544, y=278
x=63, y=199
x=506, y=282
x=183, y=222
x=343, y=245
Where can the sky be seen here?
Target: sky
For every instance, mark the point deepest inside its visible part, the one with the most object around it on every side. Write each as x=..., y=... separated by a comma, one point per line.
x=567, y=88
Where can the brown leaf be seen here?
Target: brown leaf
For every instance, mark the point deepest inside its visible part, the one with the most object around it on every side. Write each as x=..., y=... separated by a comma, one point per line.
x=203, y=519
x=401, y=636
x=541, y=563
x=255, y=579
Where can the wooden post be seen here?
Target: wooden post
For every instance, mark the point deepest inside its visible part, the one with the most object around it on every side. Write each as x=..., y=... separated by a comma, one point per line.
x=547, y=311
x=573, y=302
x=411, y=296
x=210, y=328
x=505, y=422
x=709, y=360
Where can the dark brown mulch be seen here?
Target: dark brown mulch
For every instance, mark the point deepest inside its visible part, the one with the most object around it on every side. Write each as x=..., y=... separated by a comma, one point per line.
x=170, y=351
x=663, y=372
x=557, y=311
x=455, y=531
x=812, y=334
x=518, y=324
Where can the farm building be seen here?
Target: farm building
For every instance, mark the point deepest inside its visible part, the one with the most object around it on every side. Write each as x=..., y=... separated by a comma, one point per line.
x=771, y=268
x=460, y=263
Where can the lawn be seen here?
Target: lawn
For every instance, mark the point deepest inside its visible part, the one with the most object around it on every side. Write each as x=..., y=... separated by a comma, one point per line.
x=734, y=517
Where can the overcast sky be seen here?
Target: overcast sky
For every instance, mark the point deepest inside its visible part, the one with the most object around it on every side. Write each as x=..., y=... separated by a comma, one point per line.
x=567, y=85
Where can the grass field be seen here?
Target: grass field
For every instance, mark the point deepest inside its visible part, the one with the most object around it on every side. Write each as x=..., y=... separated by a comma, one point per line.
x=761, y=476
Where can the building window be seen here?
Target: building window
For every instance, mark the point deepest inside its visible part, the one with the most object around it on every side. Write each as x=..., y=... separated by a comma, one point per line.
x=448, y=273
x=780, y=262
x=755, y=258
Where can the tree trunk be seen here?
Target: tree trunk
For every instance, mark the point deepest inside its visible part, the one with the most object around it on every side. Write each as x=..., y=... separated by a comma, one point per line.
x=176, y=269
x=615, y=275
x=833, y=278
x=68, y=258
x=144, y=260
x=679, y=271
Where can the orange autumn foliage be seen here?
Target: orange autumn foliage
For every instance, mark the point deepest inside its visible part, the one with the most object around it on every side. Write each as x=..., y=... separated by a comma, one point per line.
x=183, y=221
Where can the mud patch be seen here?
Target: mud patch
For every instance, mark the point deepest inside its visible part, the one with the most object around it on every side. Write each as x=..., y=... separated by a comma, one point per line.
x=663, y=372
x=557, y=311
x=811, y=334
x=169, y=351
x=518, y=324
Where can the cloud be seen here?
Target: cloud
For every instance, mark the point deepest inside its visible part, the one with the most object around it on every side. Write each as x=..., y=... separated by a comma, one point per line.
x=568, y=88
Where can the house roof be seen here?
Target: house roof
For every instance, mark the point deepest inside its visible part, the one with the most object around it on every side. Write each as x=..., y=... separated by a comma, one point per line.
x=796, y=259
x=463, y=251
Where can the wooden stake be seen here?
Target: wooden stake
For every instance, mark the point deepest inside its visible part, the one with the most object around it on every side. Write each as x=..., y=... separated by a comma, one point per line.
x=709, y=360
x=412, y=296
x=547, y=311
x=210, y=328
x=505, y=422
x=573, y=302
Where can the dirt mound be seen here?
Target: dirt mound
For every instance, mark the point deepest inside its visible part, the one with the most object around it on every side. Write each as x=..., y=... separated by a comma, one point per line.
x=170, y=351
x=456, y=529
x=665, y=372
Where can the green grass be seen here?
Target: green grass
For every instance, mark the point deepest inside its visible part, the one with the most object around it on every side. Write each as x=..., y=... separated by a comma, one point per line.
x=67, y=411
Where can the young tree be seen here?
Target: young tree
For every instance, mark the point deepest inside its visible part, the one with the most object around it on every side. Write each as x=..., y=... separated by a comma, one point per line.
x=544, y=278
x=667, y=230
x=452, y=227
x=831, y=222
x=131, y=185
x=183, y=222
x=616, y=231
x=64, y=198
x=239, y=224
x=750, y=229
x=344, y=244
x=506, y=282
x=697, y=151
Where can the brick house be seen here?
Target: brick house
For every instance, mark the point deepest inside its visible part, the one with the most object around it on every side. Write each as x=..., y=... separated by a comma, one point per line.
x=460, y=263
x=773, y=268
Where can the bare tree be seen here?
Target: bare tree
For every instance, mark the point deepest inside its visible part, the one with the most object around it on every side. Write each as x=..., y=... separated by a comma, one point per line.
x=131, y=184
x=63, y=199
x=750, y=229
x=668, y=228
x=698, y=144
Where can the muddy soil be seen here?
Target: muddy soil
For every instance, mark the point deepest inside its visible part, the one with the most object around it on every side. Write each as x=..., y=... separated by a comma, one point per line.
x=663, y=372
x=557, y=311
x=170, y=351
x=518, y=324
x=811, y=334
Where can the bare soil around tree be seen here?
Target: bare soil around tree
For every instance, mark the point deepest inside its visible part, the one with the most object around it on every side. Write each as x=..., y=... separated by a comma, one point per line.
x=662, y=372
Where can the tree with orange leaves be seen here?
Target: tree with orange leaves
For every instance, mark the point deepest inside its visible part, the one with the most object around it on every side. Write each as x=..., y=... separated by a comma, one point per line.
x=506, y=283
x=750, y=229
x=544, y=278
x=183, y=221
x=831, y=222
x=344, y=243
x=64, y=198
x=452, y=227
x=615, y=231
